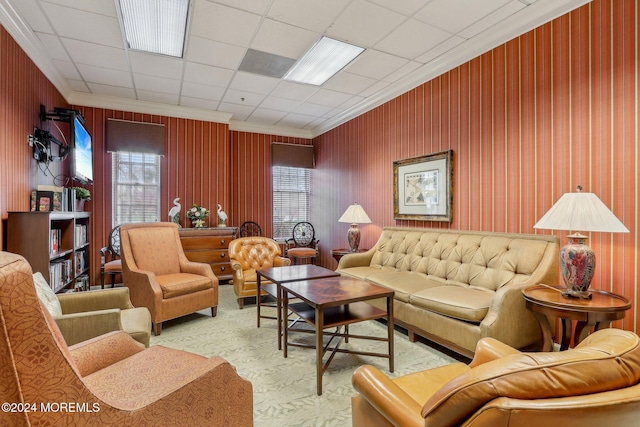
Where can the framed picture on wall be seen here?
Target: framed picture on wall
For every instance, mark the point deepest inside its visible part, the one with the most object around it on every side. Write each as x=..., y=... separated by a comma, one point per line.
x=422, y=187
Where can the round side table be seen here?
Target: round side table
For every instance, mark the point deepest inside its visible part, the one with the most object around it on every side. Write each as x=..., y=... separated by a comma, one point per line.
x=339, y=253
x=597, y=312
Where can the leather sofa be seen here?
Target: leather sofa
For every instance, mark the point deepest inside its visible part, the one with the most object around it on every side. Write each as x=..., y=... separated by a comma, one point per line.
x=110, y=380
x=594, y=384
x=456, y=287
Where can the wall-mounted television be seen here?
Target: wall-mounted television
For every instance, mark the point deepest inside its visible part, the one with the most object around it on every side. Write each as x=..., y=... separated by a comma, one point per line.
x=81, y=153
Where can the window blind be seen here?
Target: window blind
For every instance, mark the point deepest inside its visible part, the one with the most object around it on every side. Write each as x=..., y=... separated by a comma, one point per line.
x=136, y=187
x=291, y=194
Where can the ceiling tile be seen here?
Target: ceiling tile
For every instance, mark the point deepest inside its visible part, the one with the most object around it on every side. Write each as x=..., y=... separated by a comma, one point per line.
x=402, y=71
x=105, y=76
x=295, y=91
x=312, y=109
x=32, y=13
x=53, y=46
x=492, y=19
x=96, y=55
x=253, y=83
x=446, y=13
x=224, y=24
x=283, y=39
x=197, y=90
x=215, y=53
x=255, y=6
x=114, y=91
x=280, y=104
x=441, y=49
x=205, y=104
x=375, y=64
x=312, y=14
x=240, y=112
x=160, y=98
x=364, y=24
x=242, y=97
x=205, y=74
x=265, y=116
x=296, y=120
x=375, y=88
x=102, y=7
x=412, y=39
x=85, y=26
x=157, y=84
x=68, y=69
x=405, y=7
x=348, y=83
x=329, y=98
x=78, y=85
x=156, y=65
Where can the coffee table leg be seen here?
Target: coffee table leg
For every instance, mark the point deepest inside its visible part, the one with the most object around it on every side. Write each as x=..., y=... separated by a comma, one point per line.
x=390, y=331
x=285, y=332
x=280, y=316
x=258, y=292
x=319, y=348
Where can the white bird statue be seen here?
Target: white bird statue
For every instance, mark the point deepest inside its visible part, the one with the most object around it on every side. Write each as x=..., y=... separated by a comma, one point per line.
x=174, y=212
x=222, y=216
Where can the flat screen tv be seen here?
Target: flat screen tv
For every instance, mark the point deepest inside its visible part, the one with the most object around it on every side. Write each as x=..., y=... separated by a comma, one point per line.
x=81, y=153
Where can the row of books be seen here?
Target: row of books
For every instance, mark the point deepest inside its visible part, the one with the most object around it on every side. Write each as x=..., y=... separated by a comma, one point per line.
x=60, y=273
x=80, y=235
x=52, y=198
x=80, y=262
x=55, y=240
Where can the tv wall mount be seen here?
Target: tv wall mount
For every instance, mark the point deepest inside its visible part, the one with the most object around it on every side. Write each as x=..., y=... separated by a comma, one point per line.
x=42, y=140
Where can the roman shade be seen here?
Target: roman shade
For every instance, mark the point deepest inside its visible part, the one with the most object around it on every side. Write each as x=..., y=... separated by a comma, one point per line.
x=135, y=137
x=292, y=155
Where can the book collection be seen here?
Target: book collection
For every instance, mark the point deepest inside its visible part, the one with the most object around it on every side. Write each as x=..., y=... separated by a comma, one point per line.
x=54, y=241
x=60, y=273
x=52, y=198
x=80, y=235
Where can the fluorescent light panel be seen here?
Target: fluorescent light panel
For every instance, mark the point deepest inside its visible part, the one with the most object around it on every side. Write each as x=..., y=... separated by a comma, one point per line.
x=156, y=26
x=323, y=61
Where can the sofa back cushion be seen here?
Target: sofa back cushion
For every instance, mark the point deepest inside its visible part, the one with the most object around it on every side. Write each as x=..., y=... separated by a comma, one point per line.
x=254, y=252
x=606, y=360
x=483, y=260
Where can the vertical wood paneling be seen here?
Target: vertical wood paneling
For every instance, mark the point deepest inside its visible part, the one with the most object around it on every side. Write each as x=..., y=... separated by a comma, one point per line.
x=533, y=118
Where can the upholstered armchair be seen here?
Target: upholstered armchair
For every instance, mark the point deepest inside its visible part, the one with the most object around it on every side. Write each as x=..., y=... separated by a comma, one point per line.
x=110, y=380
x=85, y=315
x=160, y=277
x=248, y=254
x=596, y=383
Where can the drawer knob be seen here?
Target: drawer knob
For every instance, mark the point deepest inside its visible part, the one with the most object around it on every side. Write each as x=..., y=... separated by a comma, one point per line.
x=222, y=241
x=223, y=268
x=222, y=255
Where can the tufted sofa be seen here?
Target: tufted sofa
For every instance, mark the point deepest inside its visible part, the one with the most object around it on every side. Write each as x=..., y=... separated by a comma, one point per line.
x=456, y=287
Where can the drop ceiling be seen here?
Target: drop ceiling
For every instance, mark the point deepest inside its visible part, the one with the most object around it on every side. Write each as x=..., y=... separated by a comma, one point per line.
x=80, y=47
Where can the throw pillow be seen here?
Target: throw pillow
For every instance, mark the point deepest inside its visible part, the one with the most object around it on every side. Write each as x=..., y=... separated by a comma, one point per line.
x=46, y=295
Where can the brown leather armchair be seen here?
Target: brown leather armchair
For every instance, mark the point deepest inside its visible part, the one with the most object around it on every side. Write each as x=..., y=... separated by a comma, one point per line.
x=160, y=277
x=110, y=380
x=596, y=383
x=248, y=254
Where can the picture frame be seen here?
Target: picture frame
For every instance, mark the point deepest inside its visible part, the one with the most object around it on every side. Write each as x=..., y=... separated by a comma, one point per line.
x=423, y=187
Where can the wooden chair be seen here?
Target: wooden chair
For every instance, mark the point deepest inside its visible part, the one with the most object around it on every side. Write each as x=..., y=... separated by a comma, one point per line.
x=249, y=229
x=302, y=247
x=110, y=262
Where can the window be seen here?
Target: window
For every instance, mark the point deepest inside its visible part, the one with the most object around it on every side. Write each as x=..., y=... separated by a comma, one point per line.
x=136, y=187
x=291, y=194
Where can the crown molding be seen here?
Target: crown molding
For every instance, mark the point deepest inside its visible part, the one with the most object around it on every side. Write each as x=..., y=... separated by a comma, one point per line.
x=241, y=126
x=526, y=19
x=145, y=107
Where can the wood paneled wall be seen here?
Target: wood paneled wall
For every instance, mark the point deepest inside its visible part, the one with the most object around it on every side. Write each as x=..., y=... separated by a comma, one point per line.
x=528, y=121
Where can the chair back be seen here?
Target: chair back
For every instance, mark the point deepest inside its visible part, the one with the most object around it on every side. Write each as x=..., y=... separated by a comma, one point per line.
x=602, y=371
x=152, y=247
x=35, y=363
x=114, y=242
x=304, y=235
x=249, y=229
x=254, y=252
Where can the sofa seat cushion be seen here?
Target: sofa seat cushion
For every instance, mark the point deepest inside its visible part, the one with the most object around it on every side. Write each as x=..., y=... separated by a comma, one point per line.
x=404, y=283
x=469, y=304
x=362, y=272
x=177, y=284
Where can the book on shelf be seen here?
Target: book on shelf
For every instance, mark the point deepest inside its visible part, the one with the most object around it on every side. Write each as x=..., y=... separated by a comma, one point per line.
x=80, y=235
x=81, y=261
x=60, y=273
x=54, y=241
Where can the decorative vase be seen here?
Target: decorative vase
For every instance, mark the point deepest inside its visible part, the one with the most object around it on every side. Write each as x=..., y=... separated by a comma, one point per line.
x=80, y=205
x=577, y=265
x=197, y=223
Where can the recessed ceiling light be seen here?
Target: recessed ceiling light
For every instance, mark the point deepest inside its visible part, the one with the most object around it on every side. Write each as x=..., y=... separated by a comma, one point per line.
x=323, y=61
x=156, y=26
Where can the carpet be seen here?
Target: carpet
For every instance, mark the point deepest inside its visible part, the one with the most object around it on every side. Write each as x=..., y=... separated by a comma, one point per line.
x=284, y=390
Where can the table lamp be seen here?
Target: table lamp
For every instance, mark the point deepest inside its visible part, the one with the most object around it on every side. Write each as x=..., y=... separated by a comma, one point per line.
x=354, y=215
x=584, y=212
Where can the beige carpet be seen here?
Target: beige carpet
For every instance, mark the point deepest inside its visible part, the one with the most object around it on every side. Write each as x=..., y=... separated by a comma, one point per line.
x=284, y=390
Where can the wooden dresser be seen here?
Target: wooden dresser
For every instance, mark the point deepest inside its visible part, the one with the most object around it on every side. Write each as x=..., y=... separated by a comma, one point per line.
x=210, y=245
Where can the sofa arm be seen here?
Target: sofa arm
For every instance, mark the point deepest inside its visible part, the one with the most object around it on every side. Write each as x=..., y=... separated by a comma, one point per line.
x=78, y=327
x=199, y=268
x=78, y=302
x=386, y=397
x=102, y=351
x=281, y=261
x=489, y=349
x=361, y=259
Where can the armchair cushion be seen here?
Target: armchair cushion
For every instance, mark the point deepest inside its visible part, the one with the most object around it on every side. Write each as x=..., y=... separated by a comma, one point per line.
x=113, y=266
x=174, y=285
x=46, y=295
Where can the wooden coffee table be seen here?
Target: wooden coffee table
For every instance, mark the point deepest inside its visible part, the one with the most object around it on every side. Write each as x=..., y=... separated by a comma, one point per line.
x=279, y=275
x=337, y=302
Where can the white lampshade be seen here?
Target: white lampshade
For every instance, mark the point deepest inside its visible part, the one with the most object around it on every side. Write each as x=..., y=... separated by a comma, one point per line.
x=581, y=212
x=355, y=215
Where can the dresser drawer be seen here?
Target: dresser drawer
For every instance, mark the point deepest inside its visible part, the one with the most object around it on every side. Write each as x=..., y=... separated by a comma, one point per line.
x=222, y=270
x=205, y=242
x=208, y=255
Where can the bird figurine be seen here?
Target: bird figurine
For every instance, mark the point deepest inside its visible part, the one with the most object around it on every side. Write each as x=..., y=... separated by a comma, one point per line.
x=222, y=216
x=174, y=212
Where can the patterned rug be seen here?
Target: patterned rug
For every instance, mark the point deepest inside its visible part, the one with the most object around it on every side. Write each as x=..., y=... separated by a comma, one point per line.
x=284, y=390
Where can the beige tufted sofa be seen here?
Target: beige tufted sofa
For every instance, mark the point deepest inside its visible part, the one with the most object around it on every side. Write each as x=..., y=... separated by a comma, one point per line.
x=456, y=287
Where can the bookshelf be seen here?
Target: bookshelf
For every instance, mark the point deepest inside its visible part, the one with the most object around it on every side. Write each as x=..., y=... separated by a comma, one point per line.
x=56, y=244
